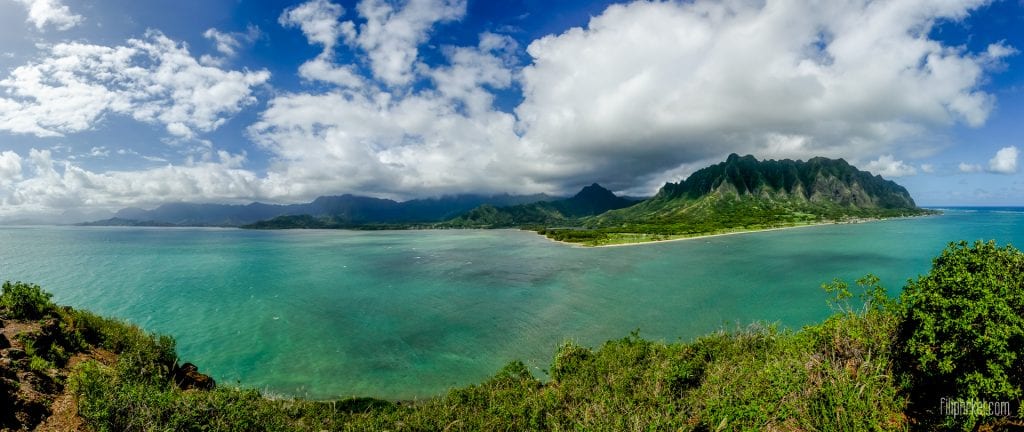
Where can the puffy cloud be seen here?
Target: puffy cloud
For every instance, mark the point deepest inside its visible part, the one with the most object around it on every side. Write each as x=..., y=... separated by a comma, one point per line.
x=228, y=43
x=927, y=168
x=369, y=138
x=318, y=20
x=50, y=12
x=64, y=185
x=1005, y=161
x=474, y=70
x=887, y=166
x=153, y=80
x=321, y=69
x=391, y=37
x=643, y=94
x=647, y=92
x=10, y=167
x=344, y=141
x=648, y=86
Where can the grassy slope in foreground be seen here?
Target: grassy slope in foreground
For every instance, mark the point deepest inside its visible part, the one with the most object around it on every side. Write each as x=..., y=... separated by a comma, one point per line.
x=882, y=365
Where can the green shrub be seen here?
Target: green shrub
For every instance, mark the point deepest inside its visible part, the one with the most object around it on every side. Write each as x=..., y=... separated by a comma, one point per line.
x=963, y=330
x=92, y=386
x=143, y=356
x=39, y=364
x=26, y=301
x=570, y=359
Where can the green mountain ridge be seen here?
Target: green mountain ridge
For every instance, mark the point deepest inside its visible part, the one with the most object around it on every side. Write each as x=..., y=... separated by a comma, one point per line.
x=817, y=180
x=743, y=193
x=738, y=194
x=590, y=201
x=342, y=211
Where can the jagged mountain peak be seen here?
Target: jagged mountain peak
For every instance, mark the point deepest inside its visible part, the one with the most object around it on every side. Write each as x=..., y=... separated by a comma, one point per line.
x=594, y=191
x=819, y=179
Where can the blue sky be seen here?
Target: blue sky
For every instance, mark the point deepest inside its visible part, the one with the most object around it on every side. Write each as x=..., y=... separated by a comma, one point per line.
x=110, y=104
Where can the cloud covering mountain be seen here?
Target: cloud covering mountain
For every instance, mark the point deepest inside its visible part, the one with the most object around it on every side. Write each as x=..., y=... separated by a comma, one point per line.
x=389, y=103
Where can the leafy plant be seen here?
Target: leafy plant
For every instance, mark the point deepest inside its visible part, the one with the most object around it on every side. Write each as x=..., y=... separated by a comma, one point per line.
x=872, y=295
x=26, y=301
x=963, y=330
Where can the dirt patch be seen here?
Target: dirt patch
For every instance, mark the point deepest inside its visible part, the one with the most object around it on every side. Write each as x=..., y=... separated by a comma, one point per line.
x=64, y=415
x=11, y=329
x=35, y=398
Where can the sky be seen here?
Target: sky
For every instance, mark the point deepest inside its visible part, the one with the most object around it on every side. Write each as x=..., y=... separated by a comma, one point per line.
x=106, y=104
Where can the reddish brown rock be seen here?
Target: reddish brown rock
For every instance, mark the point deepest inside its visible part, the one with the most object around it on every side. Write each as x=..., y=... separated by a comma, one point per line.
x=188, y=377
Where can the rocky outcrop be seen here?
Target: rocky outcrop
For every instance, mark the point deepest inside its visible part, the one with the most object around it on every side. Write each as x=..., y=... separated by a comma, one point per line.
x=188, y=377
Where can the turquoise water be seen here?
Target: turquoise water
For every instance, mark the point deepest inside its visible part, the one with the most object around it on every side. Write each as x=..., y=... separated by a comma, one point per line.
x=408, y=314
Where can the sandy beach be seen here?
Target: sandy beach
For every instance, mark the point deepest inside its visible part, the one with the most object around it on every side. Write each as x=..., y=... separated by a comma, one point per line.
x=706, y=236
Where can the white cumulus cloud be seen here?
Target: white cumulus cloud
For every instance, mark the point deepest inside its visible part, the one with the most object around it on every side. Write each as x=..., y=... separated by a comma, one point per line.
x=887, y=166
x=153, y=79
x=57, y=184
x=10, y=167
x=318, y=20
x=433, y=143
x=228, y=43
x=391, y=36
x=42, y=13
x=641, y=94
x=648, y=86
x=1005, y=161
x=646, y=92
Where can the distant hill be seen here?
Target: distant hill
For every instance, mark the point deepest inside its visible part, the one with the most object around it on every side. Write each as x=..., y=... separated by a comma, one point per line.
x=819, y=180
x=125, y=222
x=820, y=187
x=344, y=209
x=740, y=193
x=190, y=214
x=591, y=200
x=744, y=193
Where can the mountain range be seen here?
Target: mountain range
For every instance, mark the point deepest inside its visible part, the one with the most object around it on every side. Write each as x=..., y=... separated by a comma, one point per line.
x=743, y=191
x=347, y=209
x=737, y=194
x=590, y=201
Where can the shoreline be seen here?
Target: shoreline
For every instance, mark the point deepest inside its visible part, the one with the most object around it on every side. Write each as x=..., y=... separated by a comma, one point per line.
x=722, y=234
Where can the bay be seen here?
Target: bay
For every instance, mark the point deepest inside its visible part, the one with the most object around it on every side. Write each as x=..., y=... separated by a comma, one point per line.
x=409, y=314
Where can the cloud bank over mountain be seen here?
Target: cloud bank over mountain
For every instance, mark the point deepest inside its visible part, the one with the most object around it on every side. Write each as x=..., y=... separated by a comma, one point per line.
x=644, y=93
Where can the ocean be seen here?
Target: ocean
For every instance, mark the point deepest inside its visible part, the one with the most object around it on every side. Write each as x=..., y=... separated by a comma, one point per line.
x=409, y=314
